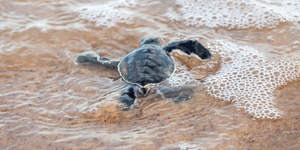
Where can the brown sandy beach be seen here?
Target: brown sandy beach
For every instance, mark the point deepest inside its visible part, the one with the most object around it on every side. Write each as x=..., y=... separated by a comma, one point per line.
x=48, y=102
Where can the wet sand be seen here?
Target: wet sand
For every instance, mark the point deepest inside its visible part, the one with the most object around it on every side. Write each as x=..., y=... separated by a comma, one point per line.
x=48, y=102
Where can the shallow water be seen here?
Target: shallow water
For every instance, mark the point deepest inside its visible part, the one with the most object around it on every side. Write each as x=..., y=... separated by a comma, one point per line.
x=48, y=102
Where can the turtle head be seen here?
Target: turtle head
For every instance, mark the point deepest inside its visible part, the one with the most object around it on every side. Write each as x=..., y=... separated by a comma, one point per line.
x=150, y=40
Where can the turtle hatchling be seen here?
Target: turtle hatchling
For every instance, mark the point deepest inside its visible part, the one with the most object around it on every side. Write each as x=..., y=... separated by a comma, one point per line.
x=148, y=65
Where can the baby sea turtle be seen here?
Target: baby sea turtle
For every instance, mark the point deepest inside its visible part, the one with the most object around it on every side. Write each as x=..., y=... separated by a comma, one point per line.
x=148, y=65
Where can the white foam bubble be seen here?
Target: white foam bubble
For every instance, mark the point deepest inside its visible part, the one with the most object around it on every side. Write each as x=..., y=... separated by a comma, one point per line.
x=181, y=76
x=247, y=78
x=108, y=14
x=240, y=14
x=185, y=146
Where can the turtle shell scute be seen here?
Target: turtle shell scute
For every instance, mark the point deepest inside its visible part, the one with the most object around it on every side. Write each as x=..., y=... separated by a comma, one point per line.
x=146, y=65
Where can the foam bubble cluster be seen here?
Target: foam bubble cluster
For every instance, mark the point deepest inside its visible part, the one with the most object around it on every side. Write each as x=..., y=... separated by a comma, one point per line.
x=240, y=14
x=185, y=146
x=108, y=14
x=247, y=78
x=181, y=76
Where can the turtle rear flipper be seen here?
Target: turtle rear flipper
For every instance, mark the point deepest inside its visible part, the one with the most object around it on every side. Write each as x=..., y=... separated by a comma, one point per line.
x=128, y=96
x=94, y=58
x=182, y=94
x=127, y=101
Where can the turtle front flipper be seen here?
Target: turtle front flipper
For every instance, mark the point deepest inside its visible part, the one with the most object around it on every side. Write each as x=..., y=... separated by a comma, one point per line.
x=94, y=58
x=189, y=46
x=179, y=95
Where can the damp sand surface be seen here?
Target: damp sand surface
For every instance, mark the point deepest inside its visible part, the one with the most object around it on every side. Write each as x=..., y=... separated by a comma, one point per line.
x=48, y=102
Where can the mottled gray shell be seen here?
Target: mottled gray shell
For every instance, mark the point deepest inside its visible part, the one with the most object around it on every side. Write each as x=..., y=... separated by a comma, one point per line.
x=145, y=66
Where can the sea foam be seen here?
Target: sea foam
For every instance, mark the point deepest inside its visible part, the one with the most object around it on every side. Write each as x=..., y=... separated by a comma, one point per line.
x=236, y=14
x=108, y=14
x=247, y=78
